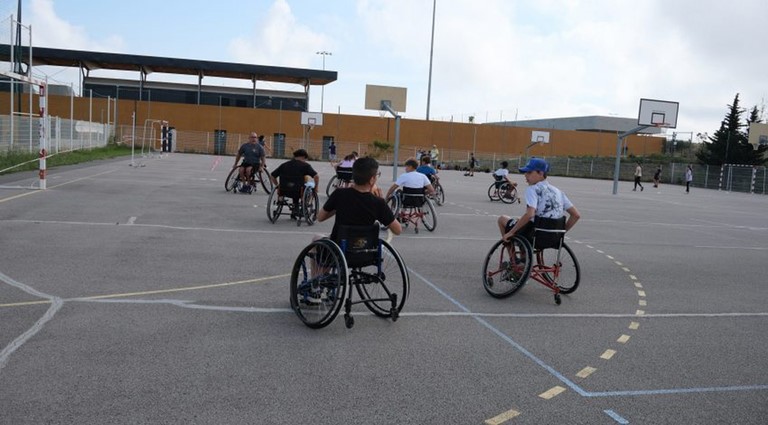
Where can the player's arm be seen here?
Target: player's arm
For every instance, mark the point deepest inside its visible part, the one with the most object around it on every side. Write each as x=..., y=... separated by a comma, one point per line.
x=530, y=212
x=391, y=190
x=573, y=217
x=323, y=215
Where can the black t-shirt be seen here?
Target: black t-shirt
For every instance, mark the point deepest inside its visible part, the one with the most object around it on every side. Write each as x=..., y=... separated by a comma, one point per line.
x=291, y=173
x=356, y=208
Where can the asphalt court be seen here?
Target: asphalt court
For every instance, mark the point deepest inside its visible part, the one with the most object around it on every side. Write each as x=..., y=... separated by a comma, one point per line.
x=148, y=294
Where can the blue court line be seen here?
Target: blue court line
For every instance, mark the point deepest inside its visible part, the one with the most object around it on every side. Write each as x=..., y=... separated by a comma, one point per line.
x=570, y=383
x=506, y=338
x=616, y=416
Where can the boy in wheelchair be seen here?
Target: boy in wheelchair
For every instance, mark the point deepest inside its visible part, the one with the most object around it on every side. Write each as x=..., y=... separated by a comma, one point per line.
x=546, y=206
x=412, y=181
x=294, y=175
x=357, y=205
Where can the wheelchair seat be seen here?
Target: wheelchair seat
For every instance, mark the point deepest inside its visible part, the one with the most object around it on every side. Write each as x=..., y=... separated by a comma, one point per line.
x=344, y=173
x=413, y=197
x=498, y=180
x=290, y=186
x=360, y=244
x=548, y=232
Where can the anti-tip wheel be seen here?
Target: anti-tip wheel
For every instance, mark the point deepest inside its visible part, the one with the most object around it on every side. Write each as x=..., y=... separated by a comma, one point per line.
x=557, y=299
x=349, y=321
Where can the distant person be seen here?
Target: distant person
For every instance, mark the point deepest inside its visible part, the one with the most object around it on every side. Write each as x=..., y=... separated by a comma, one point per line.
x=657, y=177
x=295, y=175
x=435, y=155
x=252, y=155
x=688, y=179
x=472, y=165
x=427, y=169
x=332, y=151
x=265, y=147
x=638, y=176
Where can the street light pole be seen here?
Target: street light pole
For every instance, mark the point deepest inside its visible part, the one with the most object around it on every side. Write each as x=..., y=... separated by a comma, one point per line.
x=431, y=52
x=322, y=88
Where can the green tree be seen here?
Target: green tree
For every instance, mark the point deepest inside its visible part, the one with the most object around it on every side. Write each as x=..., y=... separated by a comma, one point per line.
x=729, y=144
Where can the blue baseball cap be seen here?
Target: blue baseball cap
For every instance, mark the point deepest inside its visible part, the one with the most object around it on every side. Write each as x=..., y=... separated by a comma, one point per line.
x=535, y=164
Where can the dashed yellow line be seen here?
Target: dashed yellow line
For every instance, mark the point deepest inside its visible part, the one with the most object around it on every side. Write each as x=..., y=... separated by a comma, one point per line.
x=634, y=325
x=633, y=277
x=642, y=303
x=639, y=312
x=583, y=373
x=503, y=417
x=552, y=392
x=638, y=285
x=608, y=354
x=623, y=339
x=24, y=303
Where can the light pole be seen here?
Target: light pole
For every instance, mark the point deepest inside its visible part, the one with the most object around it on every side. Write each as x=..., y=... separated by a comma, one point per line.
x=322, y=88
x=431, y=52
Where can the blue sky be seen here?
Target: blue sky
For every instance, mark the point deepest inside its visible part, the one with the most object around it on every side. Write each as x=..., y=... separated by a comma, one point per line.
x=494, y=59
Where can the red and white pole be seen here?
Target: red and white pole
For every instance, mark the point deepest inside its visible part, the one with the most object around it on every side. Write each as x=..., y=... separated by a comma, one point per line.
x=43, y=152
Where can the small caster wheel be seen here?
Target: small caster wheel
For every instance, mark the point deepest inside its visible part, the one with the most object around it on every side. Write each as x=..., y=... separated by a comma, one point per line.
x=416, y=229
x=557, y=299
x=349, y=321
x=394, y=314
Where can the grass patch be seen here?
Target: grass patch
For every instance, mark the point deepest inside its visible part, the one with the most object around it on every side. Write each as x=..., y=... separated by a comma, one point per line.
x=9, y=159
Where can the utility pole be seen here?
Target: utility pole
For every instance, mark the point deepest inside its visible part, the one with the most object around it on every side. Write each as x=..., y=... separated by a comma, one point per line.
x=322, y=88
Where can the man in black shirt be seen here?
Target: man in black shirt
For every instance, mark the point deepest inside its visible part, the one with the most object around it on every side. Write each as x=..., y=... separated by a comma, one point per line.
x=293, y=175
x=356, y=205
x=253, y=156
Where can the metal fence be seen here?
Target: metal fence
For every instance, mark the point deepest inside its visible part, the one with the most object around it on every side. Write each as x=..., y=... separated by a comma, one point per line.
x=23, y=134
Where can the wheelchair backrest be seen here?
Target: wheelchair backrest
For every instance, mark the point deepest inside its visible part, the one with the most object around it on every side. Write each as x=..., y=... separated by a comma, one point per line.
x=548, y=232
x=413, y=197
x=291, y=185
x=360, y=244
x=344, y=173
x=499, y=180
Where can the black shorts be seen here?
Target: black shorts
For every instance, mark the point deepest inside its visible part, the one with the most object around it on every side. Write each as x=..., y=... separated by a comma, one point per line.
x=526, y=231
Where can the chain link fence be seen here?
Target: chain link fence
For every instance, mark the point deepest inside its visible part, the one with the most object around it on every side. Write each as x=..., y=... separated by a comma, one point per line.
x=20, y=133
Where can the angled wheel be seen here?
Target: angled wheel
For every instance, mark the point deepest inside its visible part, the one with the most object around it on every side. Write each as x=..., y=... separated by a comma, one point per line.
x=333, y=184
x=319, y=283
x=310, y=204
x=377, y=286
x=569, y=273
x=439, y=195
x=265, y=181
x=274, y=206
x=428, y=217
x=493, y=194
x=231, y=182
x=394, y=203
x=508, y=193
x=507, y=267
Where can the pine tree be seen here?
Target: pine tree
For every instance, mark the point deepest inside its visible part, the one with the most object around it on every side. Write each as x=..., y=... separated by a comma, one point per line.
x=729, y=144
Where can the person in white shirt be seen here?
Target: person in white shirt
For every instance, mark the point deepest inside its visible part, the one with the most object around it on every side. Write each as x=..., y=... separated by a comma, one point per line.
x=411, y=179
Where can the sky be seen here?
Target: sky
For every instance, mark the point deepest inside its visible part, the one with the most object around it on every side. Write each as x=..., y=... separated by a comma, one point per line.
x=496, y=60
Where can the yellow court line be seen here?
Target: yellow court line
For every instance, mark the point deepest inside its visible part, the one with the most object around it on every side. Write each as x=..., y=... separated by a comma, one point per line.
x=638, y=285
x=552, y=392
x=24, y=303
x=583, y=373
x=643, y=303
x=623, y=339
x=640, y=293
x=188, y=288
x=640, y=312
x=503, y=417
x=634, y=325
x=608, y=354
x=10, y=198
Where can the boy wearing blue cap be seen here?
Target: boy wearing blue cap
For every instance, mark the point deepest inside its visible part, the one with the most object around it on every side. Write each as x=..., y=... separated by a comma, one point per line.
x=541, y=199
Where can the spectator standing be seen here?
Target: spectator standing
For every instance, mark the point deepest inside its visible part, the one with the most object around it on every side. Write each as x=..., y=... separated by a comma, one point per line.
x=688, y=179
x=638, y=176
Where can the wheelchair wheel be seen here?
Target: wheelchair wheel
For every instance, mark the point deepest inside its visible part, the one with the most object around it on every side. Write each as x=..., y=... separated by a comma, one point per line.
x=569, y=275
x=310, y=204
x=377, y=287
x=439, y=195
x=493, y=193
x=508, y=193
x=333, y=184
x=274, y=206
x=394, y=203
x=231, y=182
x=265, y=181
x=429, y=218
x=507, y=267
x=319, y=283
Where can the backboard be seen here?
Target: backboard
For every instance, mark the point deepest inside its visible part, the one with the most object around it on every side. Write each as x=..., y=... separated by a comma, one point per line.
x=658, y=113
x=376, y=95
x=758, y=134
x=539, y=137
x=312, y=119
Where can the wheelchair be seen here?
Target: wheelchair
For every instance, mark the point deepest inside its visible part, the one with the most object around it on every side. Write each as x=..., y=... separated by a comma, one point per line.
x=439, y=196
x=325, y=272
x=546, y=259
x=299, y=200
x=412, y=206
x=234, y=184
x=502, y=190
x=342, y=179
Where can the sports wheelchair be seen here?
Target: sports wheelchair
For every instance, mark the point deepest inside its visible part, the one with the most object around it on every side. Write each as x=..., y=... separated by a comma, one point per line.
x=439, y=196
x=325, y=272
x=502, y=190
x=508, y=265
x=299, y=199
x=411, y=206
x=234, y=184
x=343, y=178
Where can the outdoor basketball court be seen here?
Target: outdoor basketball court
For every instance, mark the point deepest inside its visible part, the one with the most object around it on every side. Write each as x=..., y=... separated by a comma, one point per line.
x=149, y=294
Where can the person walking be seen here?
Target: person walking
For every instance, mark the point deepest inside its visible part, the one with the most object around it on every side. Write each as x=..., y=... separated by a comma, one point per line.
x=638, y=176
x=657, y=177
x=472, y=165
x=688, y=178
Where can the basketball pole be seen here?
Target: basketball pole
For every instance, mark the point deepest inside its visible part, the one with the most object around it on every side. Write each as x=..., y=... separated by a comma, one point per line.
x=617, y=166
x=385, y=106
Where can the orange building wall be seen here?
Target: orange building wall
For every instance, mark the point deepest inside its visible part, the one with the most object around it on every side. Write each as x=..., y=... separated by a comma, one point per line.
x=448, y=136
